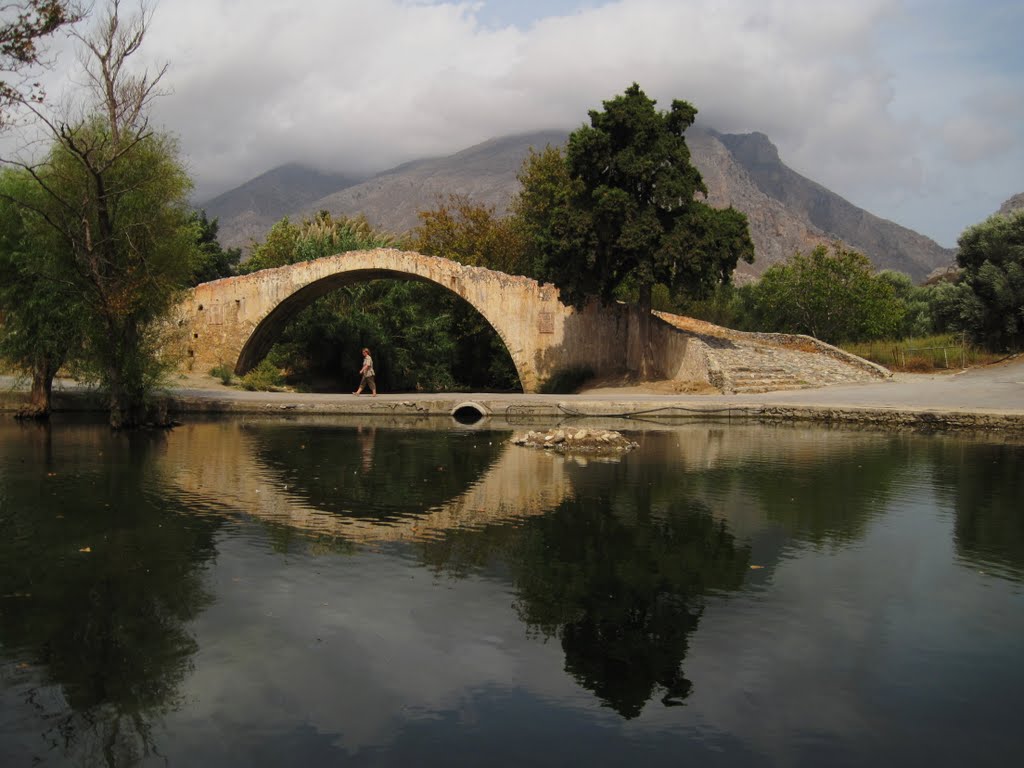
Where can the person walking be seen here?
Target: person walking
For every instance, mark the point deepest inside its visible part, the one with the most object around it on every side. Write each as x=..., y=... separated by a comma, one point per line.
x=368, y=376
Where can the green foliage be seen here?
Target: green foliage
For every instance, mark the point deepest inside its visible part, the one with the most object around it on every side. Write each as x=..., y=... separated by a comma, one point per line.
x=469, y=233
x=988, y=301
x=128, y=248
x=209, y=259
x=323, y=235
x=624, y=209
x=91, y=261
x=277, y=250
x=41, y=316
x=224, y=372
x=265, y=377
x=566, y=381
x=109, y=206
x=833, y=296
x=727, y=305
x=544, y=191
x=916, y=319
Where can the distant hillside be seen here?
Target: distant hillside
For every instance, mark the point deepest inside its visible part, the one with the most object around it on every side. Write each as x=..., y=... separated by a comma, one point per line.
x=248, y=211
x=787, y=211
x=889, y=245
x=485, y=172
x=1015, y=203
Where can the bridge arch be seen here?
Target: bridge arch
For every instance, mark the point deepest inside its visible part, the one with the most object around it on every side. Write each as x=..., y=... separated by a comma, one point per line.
x=234, y=321
x=269, y=329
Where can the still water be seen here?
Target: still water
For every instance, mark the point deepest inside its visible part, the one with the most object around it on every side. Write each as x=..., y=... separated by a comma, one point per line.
x=307, y=592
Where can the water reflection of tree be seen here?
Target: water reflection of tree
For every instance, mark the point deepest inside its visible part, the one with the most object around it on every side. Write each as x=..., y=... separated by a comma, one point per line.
x=617, y=574
x=107, y=574
x=824, y=496
x=623, y=594
x=985, y=484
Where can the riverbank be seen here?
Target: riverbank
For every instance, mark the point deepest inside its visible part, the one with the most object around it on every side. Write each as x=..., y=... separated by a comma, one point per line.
x=984, y=398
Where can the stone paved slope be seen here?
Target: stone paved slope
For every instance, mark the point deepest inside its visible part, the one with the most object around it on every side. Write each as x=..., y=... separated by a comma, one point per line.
x=742, y=363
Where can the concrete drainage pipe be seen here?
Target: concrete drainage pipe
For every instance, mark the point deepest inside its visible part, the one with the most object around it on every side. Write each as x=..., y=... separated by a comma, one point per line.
x=469, y=412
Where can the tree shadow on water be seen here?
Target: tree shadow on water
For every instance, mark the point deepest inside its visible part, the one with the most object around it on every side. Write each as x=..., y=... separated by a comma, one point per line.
x=101, y=576
x=623, y=593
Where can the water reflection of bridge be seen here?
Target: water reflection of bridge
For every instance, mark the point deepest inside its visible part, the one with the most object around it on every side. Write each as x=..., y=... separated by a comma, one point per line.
x=219, y=464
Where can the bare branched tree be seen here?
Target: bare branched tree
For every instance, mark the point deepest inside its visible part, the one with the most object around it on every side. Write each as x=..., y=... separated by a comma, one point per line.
x=124, y=96
x=23, y=25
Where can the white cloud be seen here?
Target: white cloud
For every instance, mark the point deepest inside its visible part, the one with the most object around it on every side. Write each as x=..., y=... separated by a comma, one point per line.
x=360, y=85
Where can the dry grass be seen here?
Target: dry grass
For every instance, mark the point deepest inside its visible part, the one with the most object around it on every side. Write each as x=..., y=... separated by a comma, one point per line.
x=924, y=355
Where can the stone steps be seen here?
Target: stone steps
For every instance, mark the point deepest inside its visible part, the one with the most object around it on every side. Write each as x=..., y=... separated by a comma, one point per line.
x=748, y=380
x=752, y=368
x=739, y=362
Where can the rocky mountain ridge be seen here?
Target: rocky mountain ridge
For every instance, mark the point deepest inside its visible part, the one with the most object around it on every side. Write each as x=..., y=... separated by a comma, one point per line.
x=787, y=211
x=1012, y=205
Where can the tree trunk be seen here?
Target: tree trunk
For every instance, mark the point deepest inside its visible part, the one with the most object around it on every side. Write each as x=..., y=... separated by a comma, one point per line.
x=646, y=369
x=130, y=406
x=120, y=408
x=39, y=399
x=125, y=410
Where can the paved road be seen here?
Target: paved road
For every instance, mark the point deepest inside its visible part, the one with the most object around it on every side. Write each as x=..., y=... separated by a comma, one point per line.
x=992, y=388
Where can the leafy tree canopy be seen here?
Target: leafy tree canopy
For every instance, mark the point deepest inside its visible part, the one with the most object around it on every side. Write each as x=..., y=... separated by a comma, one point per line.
x=831, y=295
x=990, y=301
x=40, y=312
x=618, y=213
x=471, y=233
x=621, y=206
x=114, y=196
x=317, y=237
x=210, y=261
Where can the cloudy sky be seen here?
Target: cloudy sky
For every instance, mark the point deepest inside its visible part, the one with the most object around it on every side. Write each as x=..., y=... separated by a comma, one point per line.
x=912, y=109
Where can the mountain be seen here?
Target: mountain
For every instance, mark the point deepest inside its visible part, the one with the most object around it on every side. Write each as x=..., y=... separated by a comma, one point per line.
x=248, y=211
x=1015, y=203
x=787, y=211
x=889, y=245
x=485, y=172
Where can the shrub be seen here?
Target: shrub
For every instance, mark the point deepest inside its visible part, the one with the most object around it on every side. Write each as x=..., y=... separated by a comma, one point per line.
x=265, y=377
x=223, y=372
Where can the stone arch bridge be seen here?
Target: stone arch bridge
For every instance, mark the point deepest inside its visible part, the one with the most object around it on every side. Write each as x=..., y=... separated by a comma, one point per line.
x=235, y=321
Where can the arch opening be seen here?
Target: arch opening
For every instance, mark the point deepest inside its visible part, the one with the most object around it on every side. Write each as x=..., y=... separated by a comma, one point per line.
x=471, y=347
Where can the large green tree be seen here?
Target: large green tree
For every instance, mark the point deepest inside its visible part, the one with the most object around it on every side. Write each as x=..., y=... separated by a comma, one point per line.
x=988, y=301
x=40, y=325
x=624, y=211
x=115, y=195
x=832, y=295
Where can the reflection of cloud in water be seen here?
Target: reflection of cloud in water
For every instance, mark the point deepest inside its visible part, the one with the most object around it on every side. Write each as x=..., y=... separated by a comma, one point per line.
x=364, y=647
x=219, y=464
